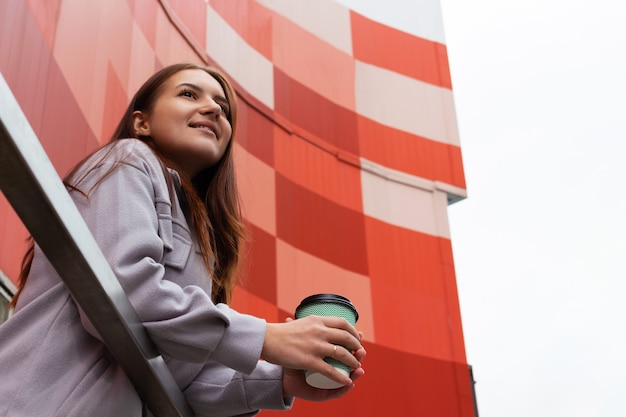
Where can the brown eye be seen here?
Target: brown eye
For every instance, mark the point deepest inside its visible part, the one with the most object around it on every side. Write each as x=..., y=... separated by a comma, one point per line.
x=188, y=93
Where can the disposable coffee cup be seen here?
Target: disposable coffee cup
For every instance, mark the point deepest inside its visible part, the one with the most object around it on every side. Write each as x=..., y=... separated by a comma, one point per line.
x=327, y=305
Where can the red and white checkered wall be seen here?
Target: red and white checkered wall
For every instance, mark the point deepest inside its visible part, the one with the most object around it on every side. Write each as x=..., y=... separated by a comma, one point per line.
x=347, y=149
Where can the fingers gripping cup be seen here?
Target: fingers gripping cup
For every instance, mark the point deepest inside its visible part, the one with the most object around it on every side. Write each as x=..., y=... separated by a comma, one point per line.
x=327, y=305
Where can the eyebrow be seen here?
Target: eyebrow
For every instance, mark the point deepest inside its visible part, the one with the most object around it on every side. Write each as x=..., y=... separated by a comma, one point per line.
x=200, y=90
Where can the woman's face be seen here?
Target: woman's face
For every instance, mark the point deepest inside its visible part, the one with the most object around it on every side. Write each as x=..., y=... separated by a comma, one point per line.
x=188, y=122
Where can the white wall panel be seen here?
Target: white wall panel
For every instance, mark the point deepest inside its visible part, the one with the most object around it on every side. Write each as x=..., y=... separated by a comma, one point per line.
x=405, y=103
x=404, y=200
x=326, y=19
x=243, y=63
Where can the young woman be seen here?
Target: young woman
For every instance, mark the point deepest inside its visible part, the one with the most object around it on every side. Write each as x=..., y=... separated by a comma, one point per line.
x=161, y=201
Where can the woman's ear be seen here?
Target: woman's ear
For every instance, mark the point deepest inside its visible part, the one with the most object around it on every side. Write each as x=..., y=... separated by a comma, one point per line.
x=141, y=124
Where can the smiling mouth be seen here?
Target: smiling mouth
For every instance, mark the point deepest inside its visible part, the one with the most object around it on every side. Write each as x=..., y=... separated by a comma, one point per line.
x=208, y=129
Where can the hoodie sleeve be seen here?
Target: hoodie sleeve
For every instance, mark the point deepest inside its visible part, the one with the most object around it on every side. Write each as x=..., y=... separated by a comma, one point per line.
x=220, y=392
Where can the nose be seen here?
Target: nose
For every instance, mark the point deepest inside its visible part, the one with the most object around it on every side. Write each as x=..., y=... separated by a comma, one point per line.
x=211, y=107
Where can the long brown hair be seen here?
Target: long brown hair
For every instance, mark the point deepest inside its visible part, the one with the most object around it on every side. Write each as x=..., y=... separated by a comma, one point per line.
x=211, y=197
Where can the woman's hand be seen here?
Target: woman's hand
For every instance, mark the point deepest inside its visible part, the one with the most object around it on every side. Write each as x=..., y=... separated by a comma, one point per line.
x=295, y=385
x=304, y=343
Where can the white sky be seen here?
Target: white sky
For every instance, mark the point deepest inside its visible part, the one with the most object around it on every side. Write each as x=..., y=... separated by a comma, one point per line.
x=540, y=242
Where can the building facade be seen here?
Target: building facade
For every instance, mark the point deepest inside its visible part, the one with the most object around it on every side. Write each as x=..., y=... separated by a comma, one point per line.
x=347, y=154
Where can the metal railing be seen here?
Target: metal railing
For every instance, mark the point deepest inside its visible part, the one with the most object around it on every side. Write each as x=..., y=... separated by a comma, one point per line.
x=473, y=382
x=31, y=185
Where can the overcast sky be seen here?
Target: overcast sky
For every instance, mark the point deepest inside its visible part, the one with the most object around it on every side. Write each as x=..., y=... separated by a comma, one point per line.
x=540, y=242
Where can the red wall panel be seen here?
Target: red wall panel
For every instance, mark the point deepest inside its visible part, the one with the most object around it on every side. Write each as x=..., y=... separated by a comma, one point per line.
x=374, y=43
x=320, y=227
x=255, y=132
x=409, y=153
x=259, y=271
x=315, y=113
